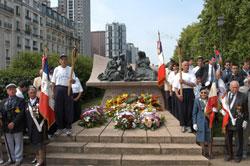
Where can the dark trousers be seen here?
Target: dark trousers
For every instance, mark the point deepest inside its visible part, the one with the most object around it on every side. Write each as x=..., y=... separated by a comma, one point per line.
x=186, y=108
x=63, y=108
x=229, y=142
x=175, y=109
x=77, y=108
x=168, y=101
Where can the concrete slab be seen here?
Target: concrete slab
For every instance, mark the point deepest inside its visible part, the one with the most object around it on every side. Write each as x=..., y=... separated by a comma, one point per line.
x=91, y=135
x=134, y=136
x=110, y=134
x=160, y=135
x=122, y=148
x=178, y=137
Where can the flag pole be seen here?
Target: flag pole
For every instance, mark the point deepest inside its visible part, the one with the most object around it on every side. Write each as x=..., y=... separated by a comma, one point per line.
x=180, y=71
x=73, y=61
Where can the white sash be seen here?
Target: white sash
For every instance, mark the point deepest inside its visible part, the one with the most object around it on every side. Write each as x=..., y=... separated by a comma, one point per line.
x=38, y=126
x=230, y=107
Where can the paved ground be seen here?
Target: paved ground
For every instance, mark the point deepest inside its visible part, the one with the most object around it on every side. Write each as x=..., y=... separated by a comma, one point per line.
x=219, y=161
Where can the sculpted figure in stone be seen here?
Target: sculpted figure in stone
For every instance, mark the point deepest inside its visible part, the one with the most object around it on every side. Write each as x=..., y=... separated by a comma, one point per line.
x=143, y=70
x=111, y=72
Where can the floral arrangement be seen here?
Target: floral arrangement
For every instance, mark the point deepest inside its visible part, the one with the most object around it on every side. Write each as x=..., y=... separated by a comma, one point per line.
x=132, y=103
x=92, y=117
x=125, y=120
x=131, y=111
x=150, y=120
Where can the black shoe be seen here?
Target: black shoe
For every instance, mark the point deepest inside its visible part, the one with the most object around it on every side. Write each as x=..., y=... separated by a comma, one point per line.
x=228, y=158
x=34, y=161
x=237, y=160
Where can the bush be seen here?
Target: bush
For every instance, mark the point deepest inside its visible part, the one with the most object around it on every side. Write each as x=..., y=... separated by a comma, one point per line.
x=26, y=65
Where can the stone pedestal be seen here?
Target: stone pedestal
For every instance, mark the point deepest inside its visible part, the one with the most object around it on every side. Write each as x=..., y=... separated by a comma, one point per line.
x=115, y=88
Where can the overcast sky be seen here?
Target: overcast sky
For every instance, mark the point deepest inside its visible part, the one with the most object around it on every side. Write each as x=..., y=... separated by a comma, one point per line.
x=143, y=19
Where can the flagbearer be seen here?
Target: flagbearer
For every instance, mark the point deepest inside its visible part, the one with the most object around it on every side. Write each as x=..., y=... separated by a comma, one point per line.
x=63, y=102
x=185, y=100
x=201, y=123
x=35, y=124
x=237, y=102
x=12, y=120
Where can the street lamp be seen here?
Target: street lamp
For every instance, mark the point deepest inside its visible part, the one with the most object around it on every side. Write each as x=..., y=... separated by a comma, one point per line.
x=220, y=23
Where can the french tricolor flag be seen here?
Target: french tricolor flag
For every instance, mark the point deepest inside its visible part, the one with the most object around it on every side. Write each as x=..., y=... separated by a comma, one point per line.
x=46, y=102
x=161, y=68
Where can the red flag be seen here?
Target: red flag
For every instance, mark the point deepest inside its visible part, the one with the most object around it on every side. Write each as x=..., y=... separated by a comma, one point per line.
x=46, y=102
x=217, y=52
x=161, y=68
x=211, y=103
x=226, y=109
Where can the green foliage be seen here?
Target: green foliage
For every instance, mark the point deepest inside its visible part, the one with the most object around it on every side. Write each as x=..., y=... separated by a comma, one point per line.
x=232, y=38
x=26, y=65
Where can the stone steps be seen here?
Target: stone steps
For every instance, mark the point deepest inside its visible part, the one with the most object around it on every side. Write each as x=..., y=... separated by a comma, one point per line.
x=105, y=145
x=123, y=148
x=123, y=160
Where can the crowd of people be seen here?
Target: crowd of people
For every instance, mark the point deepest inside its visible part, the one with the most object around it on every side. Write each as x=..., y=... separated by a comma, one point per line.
x=187, y=95
x=20, y=114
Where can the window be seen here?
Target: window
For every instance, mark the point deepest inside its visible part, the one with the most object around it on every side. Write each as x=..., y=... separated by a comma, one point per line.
x=17, y=10
x=35, y=18
x=27, y=43
x=27, y=29
x=18, y=39
x=7, y=58
x=17, y=26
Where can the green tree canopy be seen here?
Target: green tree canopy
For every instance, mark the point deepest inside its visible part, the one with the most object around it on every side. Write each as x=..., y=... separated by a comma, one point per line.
x=231, y=38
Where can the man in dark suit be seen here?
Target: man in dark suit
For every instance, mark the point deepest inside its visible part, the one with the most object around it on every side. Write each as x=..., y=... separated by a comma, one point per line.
x=245, y=70
x=235, y=76
x=207, y=72
x=238, y=107
x=227, y=70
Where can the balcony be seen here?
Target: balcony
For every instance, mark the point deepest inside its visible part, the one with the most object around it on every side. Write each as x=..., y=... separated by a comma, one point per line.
x=27, y=32
x=7, y=8
x=27, y=47
x=35, y=48
x=35, y=21
x=28, y=17
x=18, y=29
x=35, y=35
x=41, y=37
x=19, y=45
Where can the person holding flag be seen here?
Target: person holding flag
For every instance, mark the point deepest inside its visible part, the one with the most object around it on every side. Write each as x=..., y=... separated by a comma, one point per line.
x=235, y=112
x=63, y=100
x=201, y=122
x=184, y=82
x=35, y=125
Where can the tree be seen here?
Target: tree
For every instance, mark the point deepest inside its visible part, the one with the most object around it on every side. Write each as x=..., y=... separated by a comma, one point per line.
x=232, y=39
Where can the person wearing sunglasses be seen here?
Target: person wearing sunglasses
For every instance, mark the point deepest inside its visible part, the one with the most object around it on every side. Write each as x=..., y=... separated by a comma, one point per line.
x=201, y=122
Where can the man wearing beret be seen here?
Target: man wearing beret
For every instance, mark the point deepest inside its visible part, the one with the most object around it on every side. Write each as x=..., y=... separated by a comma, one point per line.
x=63, y=103
x=12, y=114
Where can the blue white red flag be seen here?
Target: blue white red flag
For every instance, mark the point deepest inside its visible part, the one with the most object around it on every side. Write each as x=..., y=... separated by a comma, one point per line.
x=161, y=68
x=46, y=102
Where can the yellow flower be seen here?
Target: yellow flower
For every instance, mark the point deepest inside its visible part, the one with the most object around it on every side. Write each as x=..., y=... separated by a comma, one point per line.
x=17, y=110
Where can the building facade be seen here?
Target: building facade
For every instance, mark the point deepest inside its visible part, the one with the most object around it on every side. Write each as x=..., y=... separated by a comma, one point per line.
x=79, y=12
x=29, y=25
x=98, y=43
x=115, y=39
x=131, y=53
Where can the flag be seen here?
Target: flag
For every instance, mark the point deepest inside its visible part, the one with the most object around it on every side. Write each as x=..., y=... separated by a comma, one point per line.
x=217, y=52
x=225, y=108
x=46, y=102
x=211, y=103
x=161, y=67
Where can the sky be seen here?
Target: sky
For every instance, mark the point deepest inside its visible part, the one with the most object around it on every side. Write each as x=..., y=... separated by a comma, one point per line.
x=143, y=20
